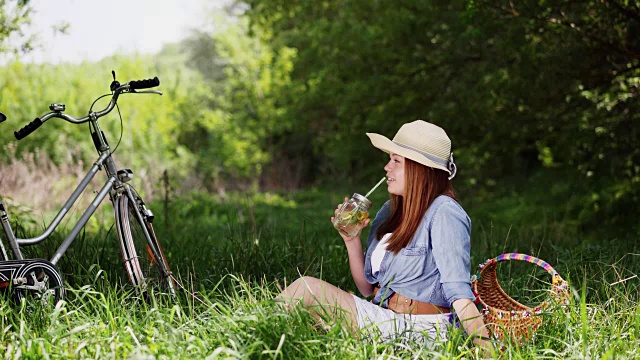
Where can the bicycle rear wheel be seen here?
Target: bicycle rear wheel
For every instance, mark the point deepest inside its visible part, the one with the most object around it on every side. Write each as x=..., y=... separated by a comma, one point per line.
x=144, y=259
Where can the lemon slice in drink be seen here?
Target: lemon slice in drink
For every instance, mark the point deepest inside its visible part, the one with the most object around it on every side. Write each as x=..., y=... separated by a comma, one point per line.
x=345, y=216
x=362, y=215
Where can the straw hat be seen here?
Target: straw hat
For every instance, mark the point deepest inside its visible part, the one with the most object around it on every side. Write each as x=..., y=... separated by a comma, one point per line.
x=421, y=142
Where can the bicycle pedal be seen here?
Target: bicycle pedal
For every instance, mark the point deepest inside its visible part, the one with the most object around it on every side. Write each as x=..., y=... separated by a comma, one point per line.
x=125, y=175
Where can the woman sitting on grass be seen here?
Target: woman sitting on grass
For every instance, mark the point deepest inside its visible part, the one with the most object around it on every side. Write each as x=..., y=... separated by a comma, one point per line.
x=417, y=260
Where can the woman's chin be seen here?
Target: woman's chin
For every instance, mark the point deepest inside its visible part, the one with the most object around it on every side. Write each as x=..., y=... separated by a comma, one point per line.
x=393, y=191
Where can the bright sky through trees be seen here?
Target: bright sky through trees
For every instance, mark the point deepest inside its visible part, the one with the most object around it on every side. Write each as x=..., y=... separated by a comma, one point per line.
x=99, y=28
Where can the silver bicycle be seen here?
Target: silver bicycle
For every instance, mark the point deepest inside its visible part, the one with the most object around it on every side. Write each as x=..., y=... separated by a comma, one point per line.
x=144, y=260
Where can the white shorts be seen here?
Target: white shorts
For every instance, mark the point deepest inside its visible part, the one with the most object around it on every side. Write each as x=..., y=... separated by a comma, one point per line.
x=374, y=320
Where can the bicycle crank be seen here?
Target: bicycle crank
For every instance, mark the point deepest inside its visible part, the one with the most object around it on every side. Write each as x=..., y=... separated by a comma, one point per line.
x=36, y=279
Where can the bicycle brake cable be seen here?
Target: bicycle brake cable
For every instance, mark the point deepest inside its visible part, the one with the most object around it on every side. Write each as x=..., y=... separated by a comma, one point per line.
x=119, y=115
x=96, y=100
x=121, y=129
x=92, y=129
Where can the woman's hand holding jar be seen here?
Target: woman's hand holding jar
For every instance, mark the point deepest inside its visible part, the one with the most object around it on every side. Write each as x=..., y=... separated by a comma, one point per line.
x=351, y=217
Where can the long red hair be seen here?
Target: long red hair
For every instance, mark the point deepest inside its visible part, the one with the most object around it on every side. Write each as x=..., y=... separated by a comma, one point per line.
x=422, y=185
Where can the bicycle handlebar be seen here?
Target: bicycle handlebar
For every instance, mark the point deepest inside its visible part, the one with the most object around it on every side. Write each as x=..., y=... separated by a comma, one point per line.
x=129, y=87
x=144, y=84
x=31, y=127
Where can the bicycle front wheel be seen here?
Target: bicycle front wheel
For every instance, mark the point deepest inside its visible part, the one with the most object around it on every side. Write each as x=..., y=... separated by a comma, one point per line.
x=144, y=260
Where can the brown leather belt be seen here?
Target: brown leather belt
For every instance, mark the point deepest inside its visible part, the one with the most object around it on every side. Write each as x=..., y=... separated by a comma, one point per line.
x=404, y=305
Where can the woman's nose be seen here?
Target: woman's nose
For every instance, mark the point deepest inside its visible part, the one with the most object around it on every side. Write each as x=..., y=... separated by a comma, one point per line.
x=387, y=166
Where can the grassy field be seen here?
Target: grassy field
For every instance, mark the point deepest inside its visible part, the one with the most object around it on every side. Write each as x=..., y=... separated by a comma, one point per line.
x=237, y=252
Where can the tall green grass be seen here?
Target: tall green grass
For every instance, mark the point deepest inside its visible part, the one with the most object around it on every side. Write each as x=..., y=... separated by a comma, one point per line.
x=236, y=253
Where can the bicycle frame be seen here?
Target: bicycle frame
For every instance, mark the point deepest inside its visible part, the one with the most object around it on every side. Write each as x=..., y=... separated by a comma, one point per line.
x=114, y=187
x=30, y=275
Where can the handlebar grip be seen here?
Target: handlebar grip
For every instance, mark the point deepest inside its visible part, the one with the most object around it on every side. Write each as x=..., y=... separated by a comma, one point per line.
x=28, y=129
x=144, y=84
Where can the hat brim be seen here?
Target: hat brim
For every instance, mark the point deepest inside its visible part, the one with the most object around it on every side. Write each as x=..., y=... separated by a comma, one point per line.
x=388, y=146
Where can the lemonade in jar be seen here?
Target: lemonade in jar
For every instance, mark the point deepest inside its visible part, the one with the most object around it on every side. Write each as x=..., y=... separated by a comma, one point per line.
x=352, y=214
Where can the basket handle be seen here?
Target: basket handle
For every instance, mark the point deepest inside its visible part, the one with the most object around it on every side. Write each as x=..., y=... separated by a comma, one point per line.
x=556, y=280
x=528, y=258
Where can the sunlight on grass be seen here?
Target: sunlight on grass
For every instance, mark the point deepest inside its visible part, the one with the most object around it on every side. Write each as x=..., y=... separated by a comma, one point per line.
x=235, y=279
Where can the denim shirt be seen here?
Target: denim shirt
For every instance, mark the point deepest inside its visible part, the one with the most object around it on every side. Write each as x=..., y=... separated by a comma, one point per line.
x=434, y=266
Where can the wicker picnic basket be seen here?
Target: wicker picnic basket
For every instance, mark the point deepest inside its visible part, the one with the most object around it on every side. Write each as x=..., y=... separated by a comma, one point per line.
x=503, y=315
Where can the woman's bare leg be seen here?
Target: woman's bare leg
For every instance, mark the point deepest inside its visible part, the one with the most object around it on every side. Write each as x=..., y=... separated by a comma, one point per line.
x=322, y=299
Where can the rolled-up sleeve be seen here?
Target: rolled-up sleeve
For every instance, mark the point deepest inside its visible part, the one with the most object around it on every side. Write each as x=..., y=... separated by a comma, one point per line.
x=451, y=243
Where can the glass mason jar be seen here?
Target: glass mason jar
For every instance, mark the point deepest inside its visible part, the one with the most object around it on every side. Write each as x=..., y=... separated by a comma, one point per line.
x=351, y=216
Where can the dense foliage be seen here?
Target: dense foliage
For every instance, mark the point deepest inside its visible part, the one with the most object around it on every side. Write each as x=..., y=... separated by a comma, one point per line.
x=281, y=95
x=521, y=87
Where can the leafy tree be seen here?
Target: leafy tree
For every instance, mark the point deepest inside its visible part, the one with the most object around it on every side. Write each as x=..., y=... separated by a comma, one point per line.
x=366, y=66
x=574, y=75
x=14, y=17
x=520, y=87
x=236, y=123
